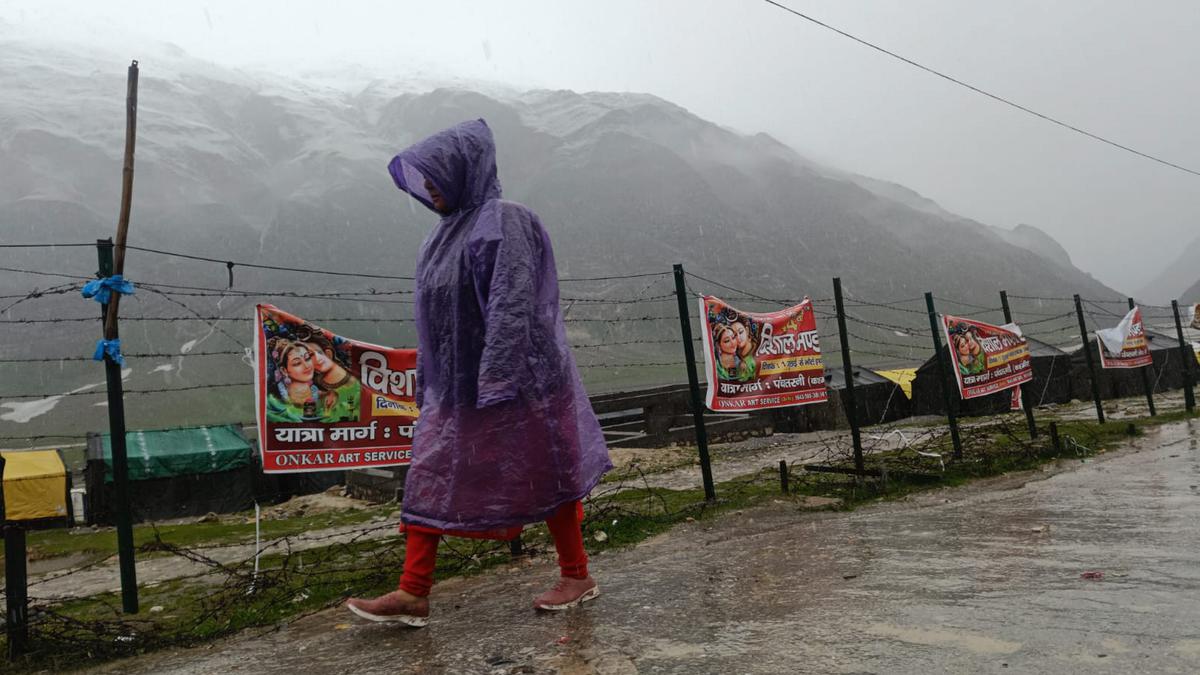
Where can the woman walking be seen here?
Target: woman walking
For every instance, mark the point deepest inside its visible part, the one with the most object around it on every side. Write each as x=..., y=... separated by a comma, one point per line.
x=506, y=434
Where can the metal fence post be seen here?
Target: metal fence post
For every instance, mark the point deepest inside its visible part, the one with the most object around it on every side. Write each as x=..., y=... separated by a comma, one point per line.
x=1026, y=399
x=1087, y=354
x=1188, y=355
x=689, y=353
x=16, y=590
x=848, y=369
x=120, y=461
x=943, y=373
x=1146, y=385
x=16, y=581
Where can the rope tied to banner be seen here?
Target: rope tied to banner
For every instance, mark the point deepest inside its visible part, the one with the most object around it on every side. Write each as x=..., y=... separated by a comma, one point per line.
x=101, y=290
x=111, y=348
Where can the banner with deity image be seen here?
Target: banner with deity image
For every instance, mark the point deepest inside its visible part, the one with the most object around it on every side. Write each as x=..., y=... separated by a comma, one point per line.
x=986, y=359
x=755, y=361
x=328, y=403
x=1125, y=345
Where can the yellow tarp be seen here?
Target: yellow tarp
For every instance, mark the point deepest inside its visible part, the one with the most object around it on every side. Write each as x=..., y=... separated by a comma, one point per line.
x=35, y=485
x=903, y=377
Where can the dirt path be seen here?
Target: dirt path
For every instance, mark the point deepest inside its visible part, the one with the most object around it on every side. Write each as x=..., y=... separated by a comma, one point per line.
x=151, y=571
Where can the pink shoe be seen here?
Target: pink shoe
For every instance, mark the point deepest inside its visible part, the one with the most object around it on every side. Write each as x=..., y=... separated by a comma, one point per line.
x=393, y=607
x=566, y=594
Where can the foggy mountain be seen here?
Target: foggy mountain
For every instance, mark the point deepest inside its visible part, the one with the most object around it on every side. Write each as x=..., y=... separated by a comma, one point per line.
x=1192, y=294
x=1182, y=273
x=1022, y=236
x=252, y=167
x=235, y=165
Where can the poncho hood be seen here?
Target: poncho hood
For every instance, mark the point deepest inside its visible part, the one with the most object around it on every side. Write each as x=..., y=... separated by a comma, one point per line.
x=459, y=161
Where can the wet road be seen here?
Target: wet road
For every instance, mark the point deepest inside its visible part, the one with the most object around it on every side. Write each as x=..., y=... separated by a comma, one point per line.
x=984, y=579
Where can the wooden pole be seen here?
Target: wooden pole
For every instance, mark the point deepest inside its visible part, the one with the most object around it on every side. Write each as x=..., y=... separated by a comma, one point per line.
x=112, y=262
x=131, y=92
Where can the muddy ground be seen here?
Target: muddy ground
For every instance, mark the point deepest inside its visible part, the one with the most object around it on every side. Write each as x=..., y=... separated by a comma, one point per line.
x=982, y=579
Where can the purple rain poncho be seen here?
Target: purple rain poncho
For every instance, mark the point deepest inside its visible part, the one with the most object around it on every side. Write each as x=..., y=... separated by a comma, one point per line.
x=506, y=432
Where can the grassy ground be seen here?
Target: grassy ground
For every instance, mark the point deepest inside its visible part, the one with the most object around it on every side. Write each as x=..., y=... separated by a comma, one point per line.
x=231, y=600
x=229, y=529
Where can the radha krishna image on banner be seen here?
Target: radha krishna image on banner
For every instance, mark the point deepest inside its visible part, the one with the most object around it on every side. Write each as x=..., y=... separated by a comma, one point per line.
x=308, y=372
x=735, y=338
x=966, y=348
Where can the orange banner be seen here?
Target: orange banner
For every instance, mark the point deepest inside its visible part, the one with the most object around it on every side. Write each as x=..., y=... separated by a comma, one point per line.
x=986, y=358
x=755, y=361
x=329, y=403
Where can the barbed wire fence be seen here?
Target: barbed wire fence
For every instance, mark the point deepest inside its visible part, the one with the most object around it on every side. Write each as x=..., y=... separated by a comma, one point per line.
x=622, y=328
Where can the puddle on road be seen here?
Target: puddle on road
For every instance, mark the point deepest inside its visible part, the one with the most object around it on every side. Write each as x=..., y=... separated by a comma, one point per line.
x=670, y=649
x=1188, y=648
x=1114, y=646
x=979, y=644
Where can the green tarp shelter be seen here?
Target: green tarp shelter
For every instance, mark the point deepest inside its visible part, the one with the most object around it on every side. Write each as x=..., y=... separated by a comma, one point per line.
x=173, y=473
x=179, y=452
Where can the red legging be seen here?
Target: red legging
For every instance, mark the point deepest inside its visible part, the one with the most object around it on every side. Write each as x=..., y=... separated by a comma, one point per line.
x=420, y=555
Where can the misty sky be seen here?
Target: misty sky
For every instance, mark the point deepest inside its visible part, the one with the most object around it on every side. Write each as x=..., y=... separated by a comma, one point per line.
x=1120, y=69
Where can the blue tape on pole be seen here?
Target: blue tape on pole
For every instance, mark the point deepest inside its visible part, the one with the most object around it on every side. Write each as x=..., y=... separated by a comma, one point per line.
x=101, y=290
x=110, y=347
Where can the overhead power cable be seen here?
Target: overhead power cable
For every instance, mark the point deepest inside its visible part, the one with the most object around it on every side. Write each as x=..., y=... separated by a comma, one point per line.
x=982, y=92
